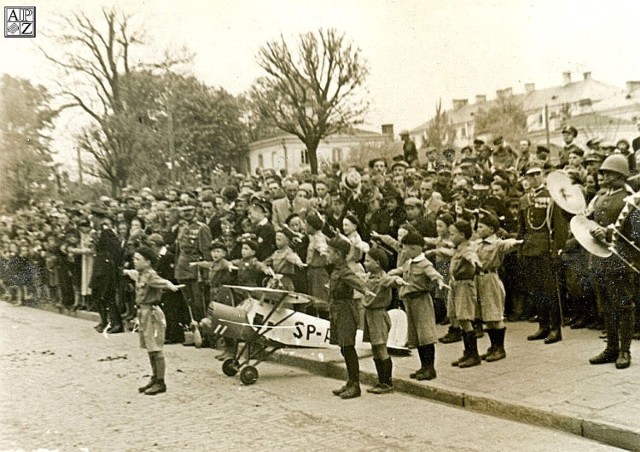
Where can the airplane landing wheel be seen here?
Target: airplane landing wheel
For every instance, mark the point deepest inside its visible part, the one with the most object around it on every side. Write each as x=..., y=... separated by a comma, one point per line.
x=230, y=367
x=249, y=375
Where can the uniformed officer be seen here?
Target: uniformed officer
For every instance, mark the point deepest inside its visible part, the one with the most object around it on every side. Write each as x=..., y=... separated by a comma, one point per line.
x=105, y=271
x=544, y=230
x=569, y=134
x=619, y=221
x=193, y=244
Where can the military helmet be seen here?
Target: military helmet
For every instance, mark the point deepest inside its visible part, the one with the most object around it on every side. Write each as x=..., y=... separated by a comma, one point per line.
x=616, y=163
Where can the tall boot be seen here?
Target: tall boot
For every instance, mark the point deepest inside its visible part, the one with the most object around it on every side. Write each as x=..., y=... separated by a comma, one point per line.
x=543, y=327
x=422, y=354
x=428, y=371
x=453, y=335
x=471, y=347
x=492, y=347
x=342, y=389
x=388, y=371
x=555, y=335
x=154, y=373
x=610, y=353
x=498, y=351
x=380, y=372
x=104, y=320
x=353, y=369
x=386, y=385
x=626, y=323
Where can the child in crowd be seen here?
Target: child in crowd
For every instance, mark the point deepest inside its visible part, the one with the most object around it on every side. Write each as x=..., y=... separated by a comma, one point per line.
x=376, y=319
x=150, y=317
x=284, y=261
x=491, y=294
x=463, y=293
x=414, y=277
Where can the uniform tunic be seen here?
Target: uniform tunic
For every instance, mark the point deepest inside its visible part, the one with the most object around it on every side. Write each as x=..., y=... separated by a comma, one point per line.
x=377, y=322
x=342, y=306
x=150, y=317
x=463, y=296
x=491, y=293
x=419, y=274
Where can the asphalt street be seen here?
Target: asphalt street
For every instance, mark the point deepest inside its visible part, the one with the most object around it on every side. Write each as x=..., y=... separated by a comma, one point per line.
x=66, y=387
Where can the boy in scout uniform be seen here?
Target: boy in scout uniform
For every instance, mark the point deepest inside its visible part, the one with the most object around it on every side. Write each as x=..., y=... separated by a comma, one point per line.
x=415, y=278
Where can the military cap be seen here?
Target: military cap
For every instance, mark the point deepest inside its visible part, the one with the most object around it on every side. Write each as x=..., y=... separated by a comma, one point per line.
x=404, y=133
x=595, y=141
x=412, y=202
x=542, y=150
x=155, y=239
x=400, y=163
x=571, y=130
x=535, y=167
x=218, y=245
x=340, y=244
x=593, y=157
x=577, y=151
x=413, y=237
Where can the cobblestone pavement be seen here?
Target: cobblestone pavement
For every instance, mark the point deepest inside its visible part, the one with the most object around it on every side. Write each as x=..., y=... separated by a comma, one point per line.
x=66, y=387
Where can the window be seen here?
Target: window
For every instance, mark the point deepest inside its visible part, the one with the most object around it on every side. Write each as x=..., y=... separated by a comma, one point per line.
x=260, y=161
x=304, y=157
x=336, y=155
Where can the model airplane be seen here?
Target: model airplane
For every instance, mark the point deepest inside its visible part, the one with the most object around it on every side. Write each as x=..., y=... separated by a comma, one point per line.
x=265, y=321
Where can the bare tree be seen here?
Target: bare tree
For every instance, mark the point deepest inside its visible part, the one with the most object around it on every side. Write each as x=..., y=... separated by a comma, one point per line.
x=440, y=132
x=102, y=80
x=314, y=93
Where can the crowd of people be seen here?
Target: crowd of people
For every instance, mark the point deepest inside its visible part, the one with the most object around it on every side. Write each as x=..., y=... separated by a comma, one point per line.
x=470, y=238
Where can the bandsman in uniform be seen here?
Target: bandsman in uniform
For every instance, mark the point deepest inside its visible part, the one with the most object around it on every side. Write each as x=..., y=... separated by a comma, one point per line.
x=193, y=244
x=617, y=220
x=543, y=230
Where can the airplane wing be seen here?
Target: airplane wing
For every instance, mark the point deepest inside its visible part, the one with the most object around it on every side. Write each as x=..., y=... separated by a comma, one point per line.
x=277, y=295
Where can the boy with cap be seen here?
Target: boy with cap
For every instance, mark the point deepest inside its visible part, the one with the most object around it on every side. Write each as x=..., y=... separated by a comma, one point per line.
x=344, y=313
x=414, y=278
x=491, y=294
x=150, y=317
x=463, y=294
x=376, y=319
x=317, y=275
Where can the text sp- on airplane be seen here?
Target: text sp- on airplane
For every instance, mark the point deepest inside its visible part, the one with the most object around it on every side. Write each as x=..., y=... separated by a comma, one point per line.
x=265, y=322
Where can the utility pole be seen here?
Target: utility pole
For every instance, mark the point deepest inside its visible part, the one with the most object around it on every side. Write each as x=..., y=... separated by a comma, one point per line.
x=171, y=138
x=546, y=125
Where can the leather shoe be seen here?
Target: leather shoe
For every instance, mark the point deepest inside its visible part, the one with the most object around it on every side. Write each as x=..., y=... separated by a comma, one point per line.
x=156, y=388
x=427, y=373
x=542, y=333
x=578, y=324
x=115, y=329
x=147, y=386
x=605, y=357
x=352, y=392
x=339, y=392
x=553, y=337
x=624, y=360
x=100, y=327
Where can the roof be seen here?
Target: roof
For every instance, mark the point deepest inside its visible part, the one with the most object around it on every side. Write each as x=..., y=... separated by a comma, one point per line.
x=353, y=134
x=537, y=99
x=568, y=94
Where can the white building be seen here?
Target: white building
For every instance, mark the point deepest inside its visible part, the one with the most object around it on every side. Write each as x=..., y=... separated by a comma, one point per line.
x=287, y=152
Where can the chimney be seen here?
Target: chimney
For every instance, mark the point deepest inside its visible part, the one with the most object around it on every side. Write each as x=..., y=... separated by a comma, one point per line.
x=387, y=129
x=459, y=103
x=587, y=75
x=481, y=98
x=502, y=93
x=633, y=85
x=529, y=88
x=566, y=78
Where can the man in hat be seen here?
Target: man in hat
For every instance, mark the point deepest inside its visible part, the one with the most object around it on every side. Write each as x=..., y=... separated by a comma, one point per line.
x=262, y=228
x=104, y=277
x=283, y=207
x=569, y=134
x=618, y=222
x=432, y=162
x=544, y=231
x=432, y=203
x=414, y=210
x=542, y=155
x=409, y=149
x=193, y=244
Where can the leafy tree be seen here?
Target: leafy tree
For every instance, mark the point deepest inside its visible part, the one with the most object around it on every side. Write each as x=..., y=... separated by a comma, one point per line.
x=314, y=93
x=505, y=117
x=440, y=132
x=25, y=157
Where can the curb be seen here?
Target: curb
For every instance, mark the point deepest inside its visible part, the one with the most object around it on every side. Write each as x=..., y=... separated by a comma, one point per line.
x=602, y=431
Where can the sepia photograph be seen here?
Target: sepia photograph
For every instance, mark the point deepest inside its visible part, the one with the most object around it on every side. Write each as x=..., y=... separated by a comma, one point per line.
x=284, y=225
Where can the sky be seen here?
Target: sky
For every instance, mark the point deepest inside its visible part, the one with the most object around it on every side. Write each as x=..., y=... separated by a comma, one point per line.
x=418, y=51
